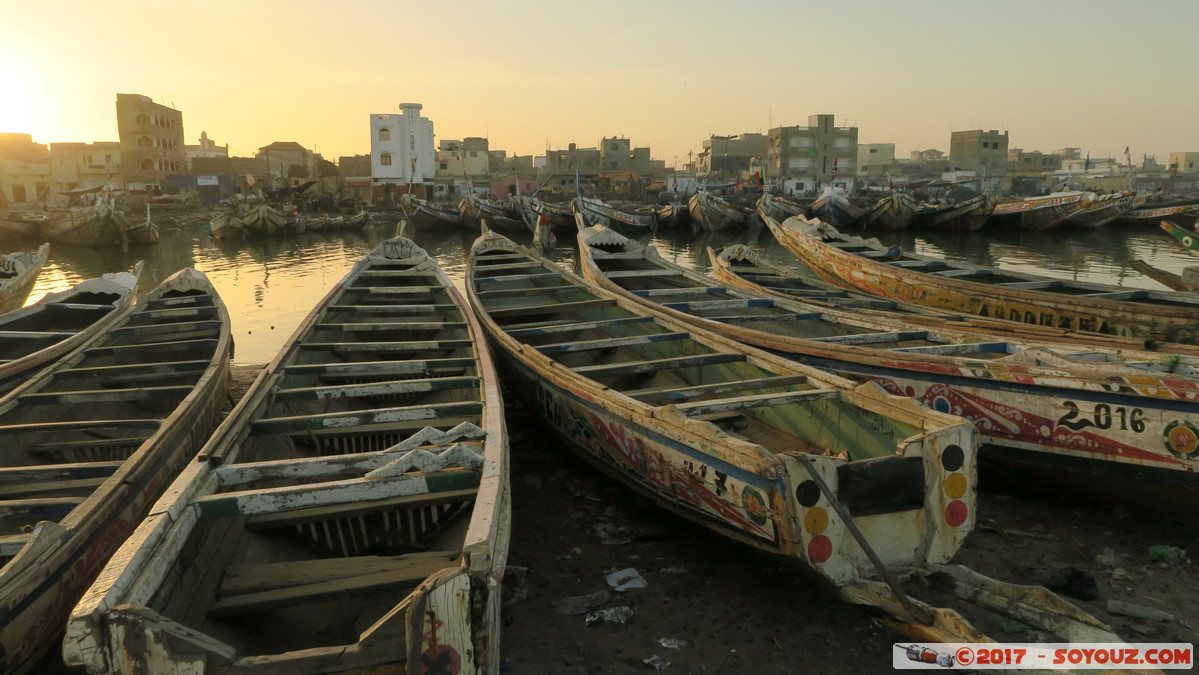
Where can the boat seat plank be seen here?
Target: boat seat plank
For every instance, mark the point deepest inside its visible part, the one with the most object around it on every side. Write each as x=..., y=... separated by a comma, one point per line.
x=582, y=325
x=49, y=508
x=659, y=292
x=34, y=335
x=391, y=325
x=138, y=370
x=86, y=425
x=64, y=447
x=745, y=318
x=621, y=274
x=917, y=263
x=963, y=273
x=287, y=519
x=305, y=593
x=313, y=469
x=961, y=348
x=437, y=309
x=173, y=313
x=552, y=307
x=1118, y=295
x=256, y=578
x=719, y=304
x=17, y=475
x=690, y=392
x=415, y=346
x=376, y=388
x=1032, y=285
x=610, y=343
x=380, y=368
x=599, y=255
x=513, y=265
x=176, y=301
x=81, y=306
x=380, y=273
x=283, y=425
x=479, y=281
x=725, y=405
x=143, y=330
x=193, y=345
x=654, y=365
x=506, y=292
x=11, y=544
x=875, y=338
x=395, y=290
x=106, y=395
x=330, y=493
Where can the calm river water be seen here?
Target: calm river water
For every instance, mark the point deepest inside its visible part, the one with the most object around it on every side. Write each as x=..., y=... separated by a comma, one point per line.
x=270, y=285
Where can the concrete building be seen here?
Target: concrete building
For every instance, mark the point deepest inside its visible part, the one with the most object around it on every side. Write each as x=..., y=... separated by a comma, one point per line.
x=151, y=137
x=285, y=162
x=206, y=148
x=926, y=156
x=615, y=154
x=984, y=152
x=727, y=157
x=1183, y=162
x=75, y=166
x=563, y=165
x=402, y=150
x=1035, y=161
x=807, y=159
x=875, y=160
x=24, y=171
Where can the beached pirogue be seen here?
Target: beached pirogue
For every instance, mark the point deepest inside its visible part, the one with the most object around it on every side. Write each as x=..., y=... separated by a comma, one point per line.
x=350, y=514
x=18, y=272
x=858, y=484
x=32, y=337
x=89, y=443
x=1107, y=413
x=867, y=265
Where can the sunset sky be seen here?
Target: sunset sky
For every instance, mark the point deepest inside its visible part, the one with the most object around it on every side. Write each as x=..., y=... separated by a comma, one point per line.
x=1099, y=74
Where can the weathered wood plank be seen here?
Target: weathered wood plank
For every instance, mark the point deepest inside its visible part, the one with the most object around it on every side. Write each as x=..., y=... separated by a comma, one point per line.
x=380, y=368
x=376, y=388
x=582, y=325
x=266, y=521
x=412, y=346
x=689, y=392
x=876, y=338
x=105, y=395
x=548, y=308
x=610, y=343
x=34, y=335
x=283, y=425
x=719, y=304
x=621, y=274
x=479, y=281
x=308, y=468
x=200, y=299
x=65, y=447
x=355, y=490
x=187, y=346
x=439, y=309
x=661, y=292
x=36, y=474
x=392, y=325
x=748, y=402
x=257, y=578
x=640, y=367
x=524, y=290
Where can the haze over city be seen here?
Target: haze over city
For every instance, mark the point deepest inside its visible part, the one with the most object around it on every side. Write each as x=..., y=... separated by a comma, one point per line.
x=1097, y=75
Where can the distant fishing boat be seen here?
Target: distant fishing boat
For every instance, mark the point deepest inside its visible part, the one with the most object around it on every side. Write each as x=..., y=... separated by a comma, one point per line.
x=18, y=272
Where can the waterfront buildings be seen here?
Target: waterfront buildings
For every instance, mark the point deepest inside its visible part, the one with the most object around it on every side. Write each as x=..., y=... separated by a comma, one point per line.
x=151, y=138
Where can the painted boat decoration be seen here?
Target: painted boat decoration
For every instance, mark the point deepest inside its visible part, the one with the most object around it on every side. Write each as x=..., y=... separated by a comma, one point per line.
x=1188, y=238
x=33, y=337
x=18, y=272
x=758, y=448
x=1185, y=215
x=92, y=441
x=350, y=514
x=1040, y=213
x=967, y=215
x=425, y=216
x=1101, y=210
x=711, y=213
x=631, y=223
x=780, y=208
x=896, y=211
x=866, y=265
x=1020, y=395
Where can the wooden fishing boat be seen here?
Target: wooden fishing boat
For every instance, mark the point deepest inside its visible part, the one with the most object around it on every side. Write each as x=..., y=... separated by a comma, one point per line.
x=1039, y=213
x=833, y=206
x=425, y=216
x=539, y=223
x=1185, y=236
x=1012, y=390
x=1184, y=215
x=347, y=222
x=90, y=442
x=1187, y=281
x=896, y=211
x=711, y=213
x=137, y=231
x=1101, y=210
x=35, y=336
x=226, y=225
x=780, y=208
x=95, y=225
x=19, y=226
x=674, y=214
x=475, y=210
x=18, y=272
x=562, y=216
x=856, y=484
x=261, y=220
x=629, y=223
x=350, y=514
x=868, y=266
x=965, y=216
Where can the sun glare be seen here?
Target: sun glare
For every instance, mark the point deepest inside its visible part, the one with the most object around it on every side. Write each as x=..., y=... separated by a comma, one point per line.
x=15, y=104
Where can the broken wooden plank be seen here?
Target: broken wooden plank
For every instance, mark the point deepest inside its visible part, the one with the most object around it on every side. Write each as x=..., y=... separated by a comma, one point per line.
x=285, y=519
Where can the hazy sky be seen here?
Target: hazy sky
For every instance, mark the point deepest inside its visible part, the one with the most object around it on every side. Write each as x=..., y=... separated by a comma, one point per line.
x=1095, y=74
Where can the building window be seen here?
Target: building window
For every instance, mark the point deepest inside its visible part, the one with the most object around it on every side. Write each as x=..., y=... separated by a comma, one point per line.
x=384, y=134
x=385, y=159
x=412, y=142
x=143, y=119
x=147, y=165
x=443, y=165
x=87, y=159
x=145, y=142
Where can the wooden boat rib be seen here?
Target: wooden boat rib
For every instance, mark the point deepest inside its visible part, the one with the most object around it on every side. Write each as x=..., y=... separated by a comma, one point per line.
x=90, y=442
x=966, y=216
x=866, y=265
x=18, y=272
x=711, y=213
x=755, y=447
x=356, y=498
x=1012, y=390
x=425, y=216
x=32, y=337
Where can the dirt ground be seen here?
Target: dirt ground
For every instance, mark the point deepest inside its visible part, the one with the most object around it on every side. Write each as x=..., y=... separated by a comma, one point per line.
x=711, y=605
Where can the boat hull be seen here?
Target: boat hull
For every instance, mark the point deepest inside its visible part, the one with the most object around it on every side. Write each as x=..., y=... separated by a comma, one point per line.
x=18, y=272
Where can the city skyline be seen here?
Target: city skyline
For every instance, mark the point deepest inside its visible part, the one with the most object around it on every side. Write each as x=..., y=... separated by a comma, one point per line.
x=667, y=76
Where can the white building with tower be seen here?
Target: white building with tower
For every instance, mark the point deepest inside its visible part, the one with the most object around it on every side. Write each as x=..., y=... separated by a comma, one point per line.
x=402, y=152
